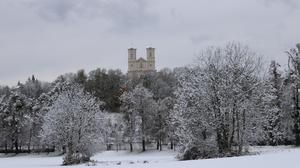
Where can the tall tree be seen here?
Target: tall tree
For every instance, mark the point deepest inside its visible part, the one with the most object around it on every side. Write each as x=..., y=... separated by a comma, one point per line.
x=15, y=116
x=294, y=87
x=217, y=93
x=130, y=118
x=272, y=112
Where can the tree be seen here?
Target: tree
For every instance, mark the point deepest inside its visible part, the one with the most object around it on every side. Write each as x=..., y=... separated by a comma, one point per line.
x=114, y=130
x=106, y=85
x=217, y=95
x=75, y=122
x=80, y=77
x=15, y=116
x=272, y=112
x=33, y=88
x=161, y=120
x=137, y=106
x=130, y=118
x=294, y=87
x=193, y=125
x=4, y=94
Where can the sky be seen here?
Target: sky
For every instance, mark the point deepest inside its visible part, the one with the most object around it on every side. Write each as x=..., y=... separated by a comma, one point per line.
x=48, y=38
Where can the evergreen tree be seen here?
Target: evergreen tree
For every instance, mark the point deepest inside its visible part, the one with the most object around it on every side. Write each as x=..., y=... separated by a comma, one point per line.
x=15, y=116
x=272, y=112
x=294, y=88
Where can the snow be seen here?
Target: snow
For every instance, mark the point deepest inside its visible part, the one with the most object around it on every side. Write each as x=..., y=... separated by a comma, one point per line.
x=270, y=157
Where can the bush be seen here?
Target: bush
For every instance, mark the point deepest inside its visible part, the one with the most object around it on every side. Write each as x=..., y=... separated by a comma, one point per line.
x=76, y=158
x=199, y=150
x=191, y=154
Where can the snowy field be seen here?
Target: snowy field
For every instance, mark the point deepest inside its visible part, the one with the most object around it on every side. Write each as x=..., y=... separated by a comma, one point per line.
x=269, y=157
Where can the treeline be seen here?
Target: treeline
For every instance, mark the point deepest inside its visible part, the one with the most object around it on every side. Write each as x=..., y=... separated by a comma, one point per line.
x=216, y=107
x=23, y=107
x=42, y=117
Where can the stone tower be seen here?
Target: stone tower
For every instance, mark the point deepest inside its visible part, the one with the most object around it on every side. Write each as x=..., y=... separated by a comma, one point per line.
x=137, y=67
x=131, y=58
x=151, y=58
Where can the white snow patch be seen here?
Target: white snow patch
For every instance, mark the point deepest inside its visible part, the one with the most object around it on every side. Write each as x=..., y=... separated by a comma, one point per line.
x=275, y=157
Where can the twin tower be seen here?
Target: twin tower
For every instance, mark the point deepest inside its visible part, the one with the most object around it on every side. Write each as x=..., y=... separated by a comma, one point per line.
x=137, y=67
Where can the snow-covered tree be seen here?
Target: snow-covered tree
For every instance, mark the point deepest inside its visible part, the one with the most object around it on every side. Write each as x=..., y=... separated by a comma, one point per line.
x=75, y=122
x=138, y=105
x=161, y=121
x=192, y=124
x=113, y=131
x=130, y=118
x=4, y=93
x=15, y=116
x=272, y=112
x=214, y=101
x=293, y=87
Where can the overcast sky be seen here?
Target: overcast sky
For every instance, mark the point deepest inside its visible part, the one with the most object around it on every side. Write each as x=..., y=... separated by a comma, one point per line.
x=52, y=37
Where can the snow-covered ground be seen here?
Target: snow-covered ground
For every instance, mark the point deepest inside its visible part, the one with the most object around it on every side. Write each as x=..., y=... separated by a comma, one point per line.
x=269, y=157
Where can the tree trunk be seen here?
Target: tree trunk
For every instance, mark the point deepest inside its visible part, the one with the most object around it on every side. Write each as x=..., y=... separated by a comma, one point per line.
x=6, y=147
x=241, y=144
x=157, y=145
x=238, y=130
x=144, y=145
x=29, y=142
x=172, y=144
x=143, y=132
x=16, y=145
x=131, y=147
x=235, y=121
x=160, y=145
x=107, y=147
x=64, y=149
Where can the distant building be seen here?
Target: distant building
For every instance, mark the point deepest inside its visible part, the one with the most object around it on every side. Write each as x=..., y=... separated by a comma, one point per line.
x=137, y=67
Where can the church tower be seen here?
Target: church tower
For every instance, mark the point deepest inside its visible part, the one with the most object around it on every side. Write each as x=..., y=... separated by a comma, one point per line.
x=131, y=59
x=140, y=66
x=151, y=58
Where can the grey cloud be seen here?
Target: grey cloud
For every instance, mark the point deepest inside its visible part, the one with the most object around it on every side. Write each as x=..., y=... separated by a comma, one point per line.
x=128, y=14
x=123, y=15
x=50, y=37
x=57, y=10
